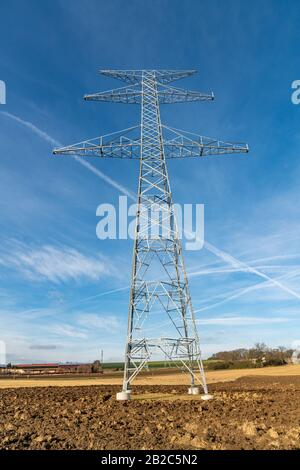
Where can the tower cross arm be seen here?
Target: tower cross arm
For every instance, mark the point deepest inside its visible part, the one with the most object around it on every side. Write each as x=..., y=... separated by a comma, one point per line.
x=116, y=145
x=133, y=95
x=185, y=144
x=169, y=94
x=136, y=76
x=127, y=95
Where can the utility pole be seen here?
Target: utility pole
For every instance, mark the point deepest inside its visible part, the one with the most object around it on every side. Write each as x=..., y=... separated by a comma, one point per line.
x=158, y=278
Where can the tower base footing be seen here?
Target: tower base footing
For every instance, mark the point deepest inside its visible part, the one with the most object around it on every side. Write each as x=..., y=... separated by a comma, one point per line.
x=123, y=396
x=207, y=397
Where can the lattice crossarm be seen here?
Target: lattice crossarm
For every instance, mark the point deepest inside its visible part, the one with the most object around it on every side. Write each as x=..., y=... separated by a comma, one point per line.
x=116, y=145
x=184, y=144
x=176, y=150
x=129, y=76
x=169, y=95
x=127, y=95
x=136, y=76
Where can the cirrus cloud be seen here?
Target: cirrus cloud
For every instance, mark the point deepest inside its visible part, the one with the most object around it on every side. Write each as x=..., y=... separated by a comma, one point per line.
x=55, y=264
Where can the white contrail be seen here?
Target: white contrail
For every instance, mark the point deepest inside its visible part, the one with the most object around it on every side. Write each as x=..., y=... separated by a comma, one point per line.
x=229, y=259
x=32, y=127
x=276, y=257
x=246, y=268
x=101, y=294
x=241, y=292
x=47, y=138
x=213, y=271
x=106, y=178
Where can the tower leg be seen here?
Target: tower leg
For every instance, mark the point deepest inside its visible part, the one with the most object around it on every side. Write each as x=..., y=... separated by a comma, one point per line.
x=125, y=394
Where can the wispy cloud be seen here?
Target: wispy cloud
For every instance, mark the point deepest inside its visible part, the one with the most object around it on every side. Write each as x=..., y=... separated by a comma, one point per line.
x=92, y=320
x=67, y=331
x=55, y=264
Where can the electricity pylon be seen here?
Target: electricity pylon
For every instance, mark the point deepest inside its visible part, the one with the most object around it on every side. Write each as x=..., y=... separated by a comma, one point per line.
x=158, y=271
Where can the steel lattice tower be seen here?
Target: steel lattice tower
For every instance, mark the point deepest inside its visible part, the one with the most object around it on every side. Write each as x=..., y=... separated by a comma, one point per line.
x=158, y=272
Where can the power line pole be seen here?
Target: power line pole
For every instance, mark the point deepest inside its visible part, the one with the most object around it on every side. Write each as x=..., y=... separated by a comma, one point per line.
x=158, y=271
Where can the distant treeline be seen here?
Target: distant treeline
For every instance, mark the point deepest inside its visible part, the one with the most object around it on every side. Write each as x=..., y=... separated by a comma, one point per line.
x=260, y=354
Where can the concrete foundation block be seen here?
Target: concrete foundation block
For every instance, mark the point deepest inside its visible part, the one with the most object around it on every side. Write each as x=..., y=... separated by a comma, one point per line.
x=122, y=396
x=207, y=396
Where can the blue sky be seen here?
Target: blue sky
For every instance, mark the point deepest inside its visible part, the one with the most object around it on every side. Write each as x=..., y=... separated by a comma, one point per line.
x=55, y=274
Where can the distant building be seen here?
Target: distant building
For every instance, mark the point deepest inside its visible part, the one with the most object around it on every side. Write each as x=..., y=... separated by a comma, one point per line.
x=48, y=368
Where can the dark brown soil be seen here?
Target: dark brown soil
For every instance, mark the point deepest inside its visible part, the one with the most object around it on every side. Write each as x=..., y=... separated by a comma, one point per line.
x=250, y=413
